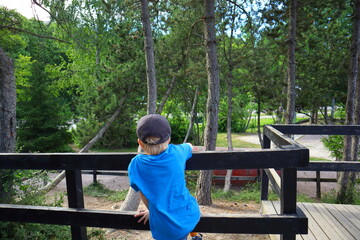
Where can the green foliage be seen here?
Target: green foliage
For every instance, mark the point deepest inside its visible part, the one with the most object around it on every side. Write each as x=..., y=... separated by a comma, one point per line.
x=96, y=234
x=242, y=111
x=335, y=144
x=304, y=198
x=29, y=231
x=120, y=134
x=352, y=196
x=179, y=126
x=42, y=116
x=97, y=190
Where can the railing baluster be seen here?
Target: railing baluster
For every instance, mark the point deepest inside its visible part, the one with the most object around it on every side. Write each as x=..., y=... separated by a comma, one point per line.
x=76, y=200
x=288, y=196
x=264, y=177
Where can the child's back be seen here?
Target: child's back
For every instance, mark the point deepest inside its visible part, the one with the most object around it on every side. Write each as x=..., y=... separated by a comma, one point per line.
x=173, y=212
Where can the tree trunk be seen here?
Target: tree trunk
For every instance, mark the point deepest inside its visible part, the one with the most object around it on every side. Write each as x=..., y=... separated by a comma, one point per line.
x=132, y=199
x=7, y=121
x=259, y=123
x=192, y=115
x=290, y=108
x=332, y=111
x=227, y=183
x=203, y=186
x=346, y=179
x=166, y=96
x=150, y=57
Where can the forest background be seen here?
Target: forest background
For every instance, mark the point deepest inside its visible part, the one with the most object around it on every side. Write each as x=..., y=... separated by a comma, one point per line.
x=91, y=59
x=85, y=68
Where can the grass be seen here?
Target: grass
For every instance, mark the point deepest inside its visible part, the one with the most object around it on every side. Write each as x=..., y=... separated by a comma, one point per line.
x=248, y=193
x=221, y=141
x=99, y=190
x=318, y=159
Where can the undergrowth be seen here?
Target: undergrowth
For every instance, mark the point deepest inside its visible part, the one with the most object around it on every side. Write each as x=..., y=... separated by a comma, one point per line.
x=99, y=190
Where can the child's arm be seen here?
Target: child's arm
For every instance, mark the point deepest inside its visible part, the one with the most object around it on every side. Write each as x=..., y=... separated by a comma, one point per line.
x=194, y=148
x=144, y=214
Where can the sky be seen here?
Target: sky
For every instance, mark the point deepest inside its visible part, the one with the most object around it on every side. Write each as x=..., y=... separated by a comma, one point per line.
x=26, y=8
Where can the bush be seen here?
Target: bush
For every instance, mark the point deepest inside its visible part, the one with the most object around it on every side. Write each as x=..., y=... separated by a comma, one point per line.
x=179, y=127
x=13, y=230
x=335, y=144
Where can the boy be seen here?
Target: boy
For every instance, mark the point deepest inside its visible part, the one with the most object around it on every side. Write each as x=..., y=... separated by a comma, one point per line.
x=159, y=175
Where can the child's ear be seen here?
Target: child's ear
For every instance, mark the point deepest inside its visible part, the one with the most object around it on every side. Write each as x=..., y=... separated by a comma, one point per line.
x=140, y=143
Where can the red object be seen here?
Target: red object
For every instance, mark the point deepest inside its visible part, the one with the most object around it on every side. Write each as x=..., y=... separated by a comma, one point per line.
x=240, y=177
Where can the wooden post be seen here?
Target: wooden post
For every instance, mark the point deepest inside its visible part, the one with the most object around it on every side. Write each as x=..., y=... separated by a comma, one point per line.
x=76, y=200
x=264, y=186
x=318, y=185
x=264, y=176
x=288, y=196
x=94, y=176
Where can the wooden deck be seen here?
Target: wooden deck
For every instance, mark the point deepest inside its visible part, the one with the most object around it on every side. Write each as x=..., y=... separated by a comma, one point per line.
x=326, y=221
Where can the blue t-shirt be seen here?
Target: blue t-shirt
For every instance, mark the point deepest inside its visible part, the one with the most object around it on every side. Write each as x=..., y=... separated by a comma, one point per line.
x=161, y=179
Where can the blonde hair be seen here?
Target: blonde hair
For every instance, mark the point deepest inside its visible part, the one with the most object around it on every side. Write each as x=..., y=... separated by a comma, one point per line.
x=154, y=149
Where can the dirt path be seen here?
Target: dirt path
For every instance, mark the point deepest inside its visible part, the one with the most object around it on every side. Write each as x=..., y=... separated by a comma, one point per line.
x=122, y=183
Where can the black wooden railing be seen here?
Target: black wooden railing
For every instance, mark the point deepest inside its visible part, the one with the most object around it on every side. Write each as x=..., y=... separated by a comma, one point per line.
x=318, y=166
x=289, y=156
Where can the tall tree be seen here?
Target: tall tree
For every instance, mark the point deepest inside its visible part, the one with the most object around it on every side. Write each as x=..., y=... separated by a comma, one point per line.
x=346, y=179
x=203, y=186
x=132, y=199
x=291, y=76
x=150, y=58
x=7, y=120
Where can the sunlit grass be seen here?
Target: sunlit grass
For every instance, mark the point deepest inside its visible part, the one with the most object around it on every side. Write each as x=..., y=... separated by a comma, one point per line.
x=314, y=159
x=221, y=141
x=247, y=193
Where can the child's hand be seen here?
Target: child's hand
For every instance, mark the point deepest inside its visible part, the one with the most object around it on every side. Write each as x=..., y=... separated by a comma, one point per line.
x=144, y=214
x=195, y=149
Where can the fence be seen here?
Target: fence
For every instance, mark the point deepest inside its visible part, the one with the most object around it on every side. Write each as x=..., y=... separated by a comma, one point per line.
x=288, y=157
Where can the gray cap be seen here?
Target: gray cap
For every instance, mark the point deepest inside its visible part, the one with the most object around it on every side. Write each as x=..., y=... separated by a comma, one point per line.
x=153, y=125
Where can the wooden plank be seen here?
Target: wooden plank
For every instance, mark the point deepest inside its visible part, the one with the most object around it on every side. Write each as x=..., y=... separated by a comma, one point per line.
x=267, y=207
x=273, y=207
x=254, y=159
x=352, y=223
x=345, y=224
x=332, y=166
x=311, y=234
x=275, y=180
x=354, y=209
x=321, y=221
x=318, y=129
x=277, y=137
x=234, y=223
x=350, y=215
x=333, y=222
